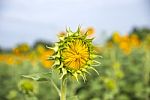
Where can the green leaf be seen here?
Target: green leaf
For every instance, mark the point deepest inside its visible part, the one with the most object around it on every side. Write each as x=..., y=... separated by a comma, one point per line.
x=38, y=76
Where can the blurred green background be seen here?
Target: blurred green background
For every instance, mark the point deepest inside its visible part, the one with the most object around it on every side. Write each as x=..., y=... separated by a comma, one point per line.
x=124, y=72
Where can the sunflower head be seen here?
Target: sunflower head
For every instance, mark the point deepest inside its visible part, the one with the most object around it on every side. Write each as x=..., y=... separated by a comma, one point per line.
x=74, y=54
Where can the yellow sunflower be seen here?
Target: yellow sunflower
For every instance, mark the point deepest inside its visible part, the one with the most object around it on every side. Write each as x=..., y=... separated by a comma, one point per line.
x=74, y=54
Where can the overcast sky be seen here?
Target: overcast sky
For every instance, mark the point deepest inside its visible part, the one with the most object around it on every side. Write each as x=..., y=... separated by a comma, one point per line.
x=30, y=20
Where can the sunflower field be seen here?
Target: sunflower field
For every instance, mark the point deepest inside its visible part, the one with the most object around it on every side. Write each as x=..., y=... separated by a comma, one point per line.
x=124, y=72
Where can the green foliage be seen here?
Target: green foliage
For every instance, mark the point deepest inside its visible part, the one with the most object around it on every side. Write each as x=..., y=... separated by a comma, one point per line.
x=11, y=76
x=42, y=42
x=122, y=77
x=142, y=33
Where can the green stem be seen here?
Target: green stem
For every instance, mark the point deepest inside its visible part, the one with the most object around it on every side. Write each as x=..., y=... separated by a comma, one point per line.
x=63, y=89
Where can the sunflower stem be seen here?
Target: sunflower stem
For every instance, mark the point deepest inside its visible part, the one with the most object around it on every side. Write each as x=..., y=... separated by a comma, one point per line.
x=63, y=89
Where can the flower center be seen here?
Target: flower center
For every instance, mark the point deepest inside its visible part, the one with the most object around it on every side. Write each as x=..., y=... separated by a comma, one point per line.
x=76, y=54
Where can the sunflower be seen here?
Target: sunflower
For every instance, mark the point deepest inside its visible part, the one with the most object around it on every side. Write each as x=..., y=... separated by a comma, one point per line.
x=74, y=54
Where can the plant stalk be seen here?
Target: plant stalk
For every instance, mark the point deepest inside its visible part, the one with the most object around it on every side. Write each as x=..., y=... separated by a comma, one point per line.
x=63, y=89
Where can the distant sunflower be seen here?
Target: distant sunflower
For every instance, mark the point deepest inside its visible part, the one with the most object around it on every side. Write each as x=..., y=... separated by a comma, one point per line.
x=74, y=54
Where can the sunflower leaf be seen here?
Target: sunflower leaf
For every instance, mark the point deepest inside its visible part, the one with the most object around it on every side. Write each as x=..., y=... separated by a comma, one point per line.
x=38, y=76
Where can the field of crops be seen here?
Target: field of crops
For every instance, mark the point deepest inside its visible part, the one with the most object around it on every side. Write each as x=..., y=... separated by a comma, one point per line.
x=124, y=72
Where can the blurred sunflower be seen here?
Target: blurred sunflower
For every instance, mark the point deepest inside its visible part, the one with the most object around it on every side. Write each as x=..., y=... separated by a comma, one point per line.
x=74, y=54
x=134, y=40
x=116, y=37
x=90, y=31
x=46, y=63
x=28, y=87
x=125, y=47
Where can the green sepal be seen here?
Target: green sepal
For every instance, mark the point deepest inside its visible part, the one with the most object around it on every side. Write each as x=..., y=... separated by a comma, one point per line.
x=93, y=56
x=69, y=32
x=94, y=70
x=51, y=58
x=64, y=72
x=78, y=30
x=85, y=70
x=76, y=76
x=97, y=62
x=83, y=76
x=55, y=48
x=57, y=55
x=57, y=62
x=90, y=40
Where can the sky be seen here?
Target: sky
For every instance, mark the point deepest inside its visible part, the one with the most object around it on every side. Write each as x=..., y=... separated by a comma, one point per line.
x=25, y=21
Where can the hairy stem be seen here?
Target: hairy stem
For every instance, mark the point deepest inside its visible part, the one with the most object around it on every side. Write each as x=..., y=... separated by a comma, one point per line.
x=63, y=89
